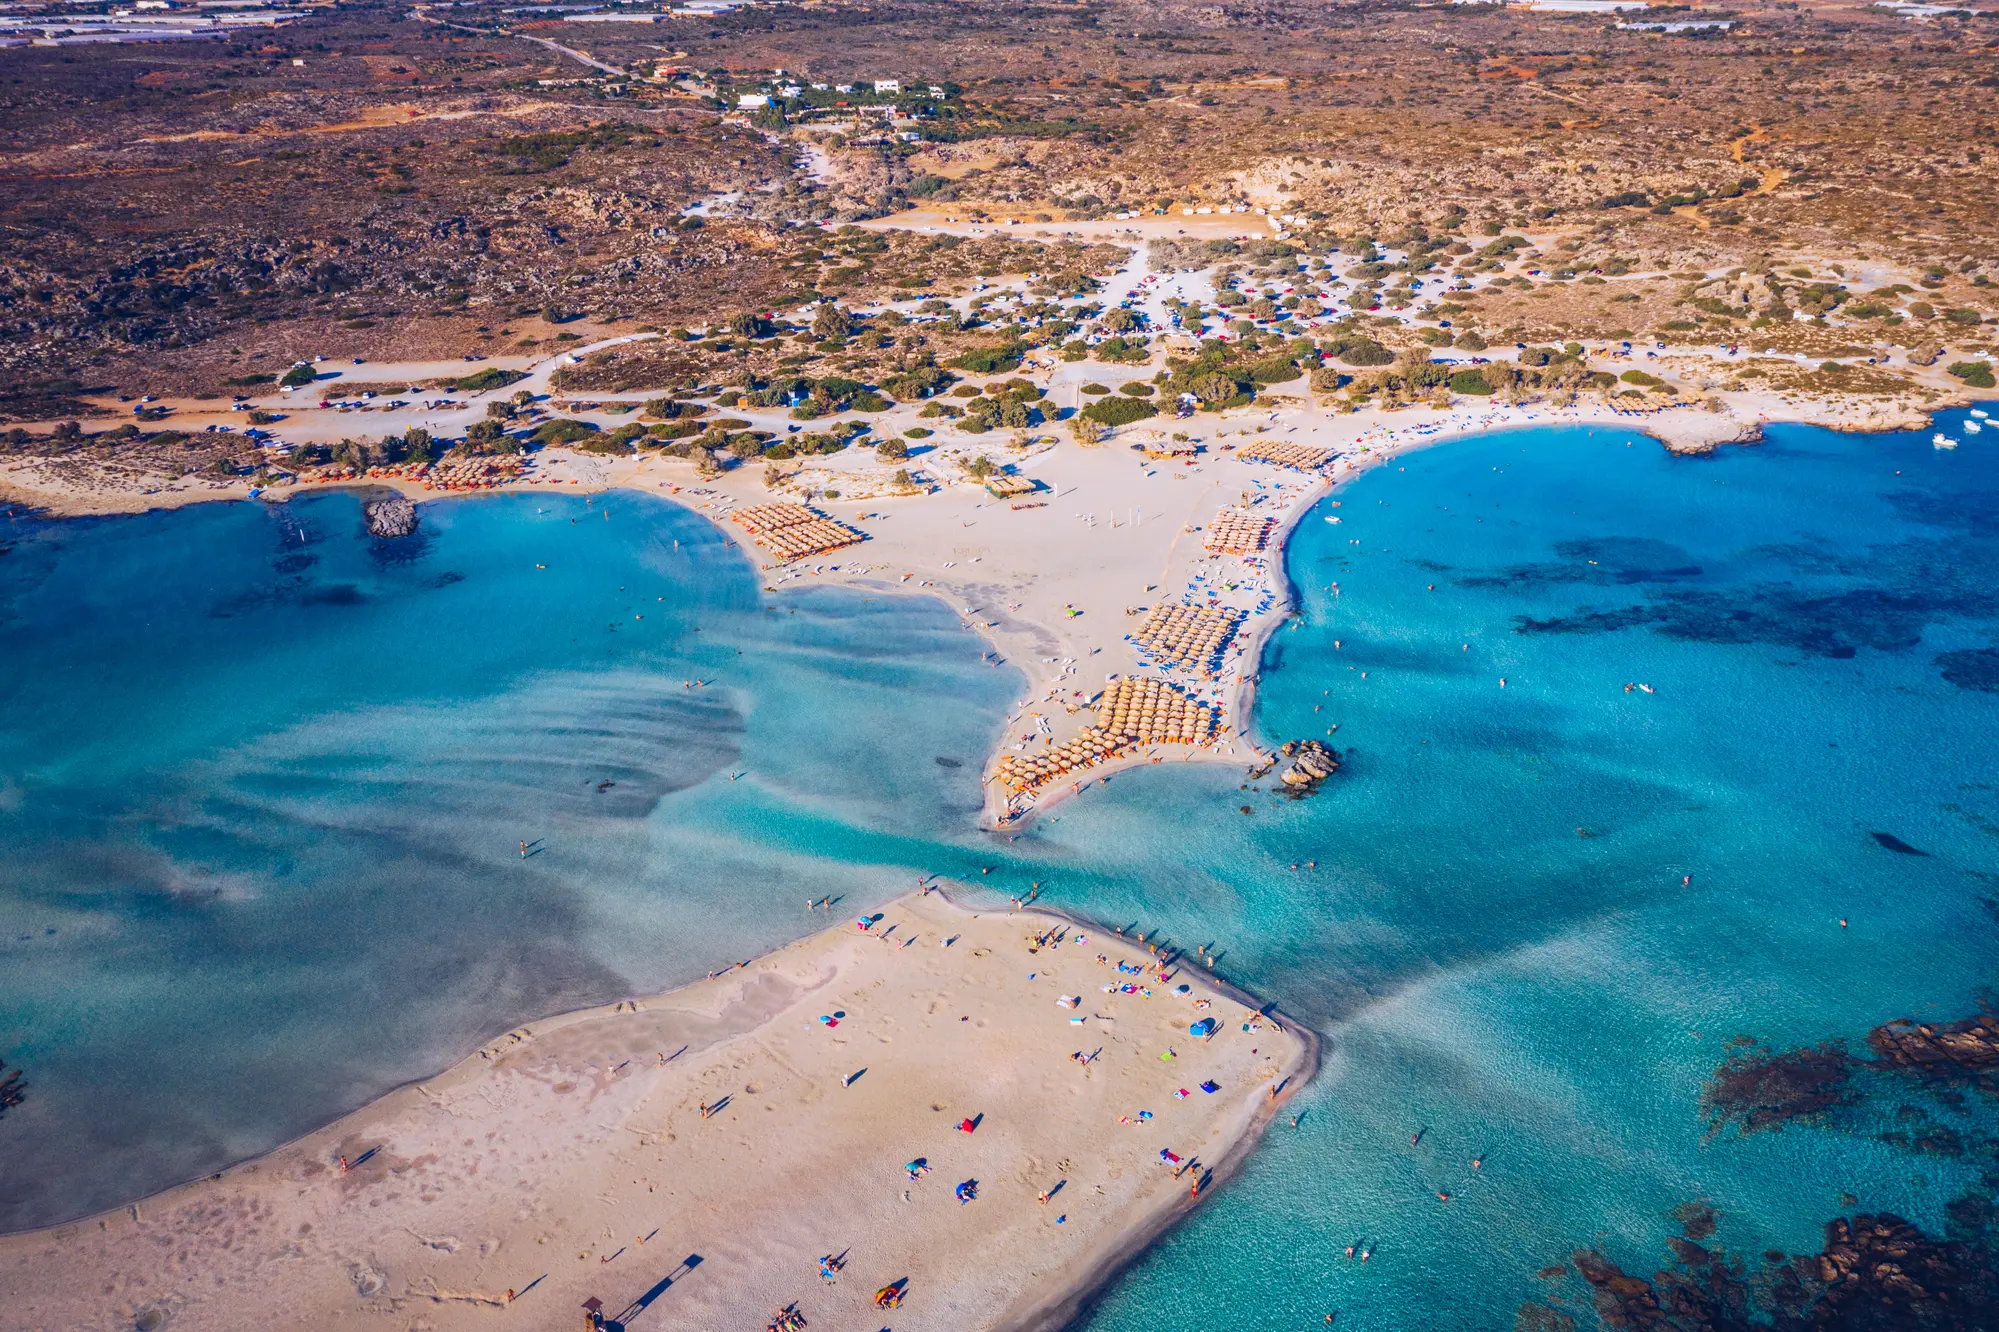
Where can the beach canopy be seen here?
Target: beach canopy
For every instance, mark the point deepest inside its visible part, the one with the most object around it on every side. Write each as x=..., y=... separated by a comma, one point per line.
x=1205, y=1027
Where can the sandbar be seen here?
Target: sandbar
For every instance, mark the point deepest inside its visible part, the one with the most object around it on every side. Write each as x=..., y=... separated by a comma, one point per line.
x=570, y=1160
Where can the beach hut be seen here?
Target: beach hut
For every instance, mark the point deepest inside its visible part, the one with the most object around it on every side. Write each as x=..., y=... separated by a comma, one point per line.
x=1011, y=487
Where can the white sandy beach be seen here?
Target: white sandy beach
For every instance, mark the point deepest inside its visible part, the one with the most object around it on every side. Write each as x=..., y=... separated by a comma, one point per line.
x=569, y=1160
x=1057, y=581
x=1054, y=585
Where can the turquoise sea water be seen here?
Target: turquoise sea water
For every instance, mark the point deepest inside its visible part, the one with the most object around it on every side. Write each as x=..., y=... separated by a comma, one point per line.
x=1496, y=941
x=262, y=783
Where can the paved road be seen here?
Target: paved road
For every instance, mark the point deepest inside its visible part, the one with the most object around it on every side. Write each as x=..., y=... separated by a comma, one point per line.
x=573, y=55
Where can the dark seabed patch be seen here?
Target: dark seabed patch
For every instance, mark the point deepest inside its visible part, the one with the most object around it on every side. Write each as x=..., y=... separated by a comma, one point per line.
x=1800, y=597
x=1876, y=1272
x=1974, y=668
x=1834, y=624
x=1598, y=562
x=1758, y=1089
x=1896, y=844
x=334, y=594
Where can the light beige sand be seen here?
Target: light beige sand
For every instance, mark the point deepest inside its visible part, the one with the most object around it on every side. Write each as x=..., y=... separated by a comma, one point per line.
x=565, y=1161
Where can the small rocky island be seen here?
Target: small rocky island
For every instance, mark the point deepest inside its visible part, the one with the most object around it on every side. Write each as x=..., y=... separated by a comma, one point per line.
x=389, y=516
x=1311, y=763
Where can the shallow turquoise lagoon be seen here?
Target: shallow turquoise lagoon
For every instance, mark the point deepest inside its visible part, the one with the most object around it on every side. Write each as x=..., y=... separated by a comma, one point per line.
x=263, y=781
x=263, y=784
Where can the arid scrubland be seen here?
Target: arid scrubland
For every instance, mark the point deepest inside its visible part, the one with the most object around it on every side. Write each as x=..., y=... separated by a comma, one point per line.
x=386, y=183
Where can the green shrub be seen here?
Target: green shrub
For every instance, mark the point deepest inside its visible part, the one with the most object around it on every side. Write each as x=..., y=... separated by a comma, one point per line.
x=564, y=430
x=1640, y=378
x=1095, y=389
x=1118, y=410
x=1122, y=351
x=1215, y=388
x=1976, y=374
x=1364, y=352
x=672, y=409
x=1136, y=389
x=1469, y=382
x=491, y=377
x=920, y=382
x=992, y=360
x=298, y=376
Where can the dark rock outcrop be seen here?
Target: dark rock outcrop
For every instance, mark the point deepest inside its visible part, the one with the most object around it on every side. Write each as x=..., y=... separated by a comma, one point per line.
x=1311, y=763
x=1940, y=1049
x=390, y=516
x=1876, y=1273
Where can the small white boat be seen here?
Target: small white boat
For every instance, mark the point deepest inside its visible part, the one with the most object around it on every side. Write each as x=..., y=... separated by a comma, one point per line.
x=1972, y=427
x=1942, y=441
x=1980, y=413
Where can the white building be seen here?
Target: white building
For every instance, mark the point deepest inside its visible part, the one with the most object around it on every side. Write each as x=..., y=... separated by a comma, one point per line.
x=888, y=86
x=934, y=90
x=752, y=101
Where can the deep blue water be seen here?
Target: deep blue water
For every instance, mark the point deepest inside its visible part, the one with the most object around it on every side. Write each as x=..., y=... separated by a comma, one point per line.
x=271, y=810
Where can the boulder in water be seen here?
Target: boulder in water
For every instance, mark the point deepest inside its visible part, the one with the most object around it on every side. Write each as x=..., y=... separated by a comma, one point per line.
x=389, y=516
x=1311, y=763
